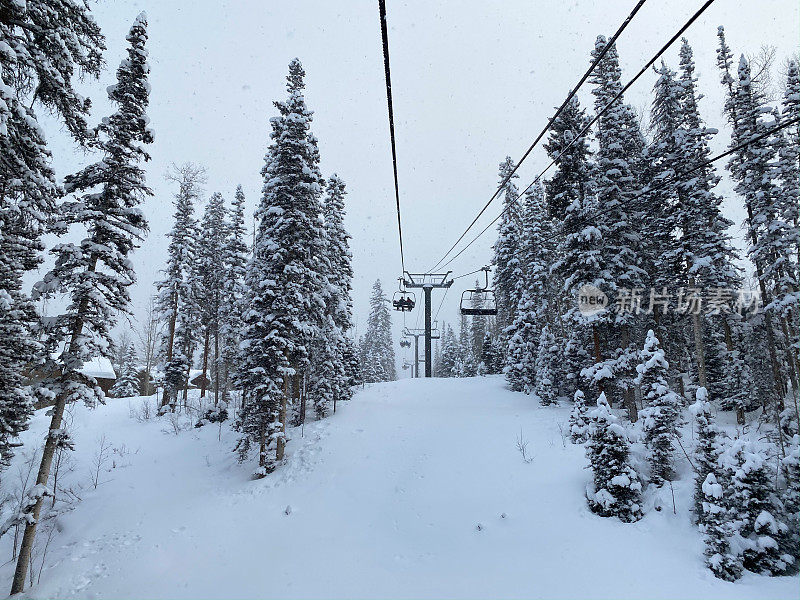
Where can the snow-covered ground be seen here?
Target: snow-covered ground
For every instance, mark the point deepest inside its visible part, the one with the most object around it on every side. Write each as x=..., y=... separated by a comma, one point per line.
x=414, y=489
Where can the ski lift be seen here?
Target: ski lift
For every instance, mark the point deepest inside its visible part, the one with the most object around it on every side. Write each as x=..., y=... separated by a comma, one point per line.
x=403, y=300
x=404, y=343
x=480, y=301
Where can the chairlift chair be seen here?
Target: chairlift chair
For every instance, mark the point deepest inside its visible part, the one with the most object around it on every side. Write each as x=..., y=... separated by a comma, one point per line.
x=480, y=301
x=404, y=343
x=403, y=300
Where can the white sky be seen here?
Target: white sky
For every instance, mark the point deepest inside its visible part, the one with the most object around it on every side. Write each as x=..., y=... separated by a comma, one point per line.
x=473, y=81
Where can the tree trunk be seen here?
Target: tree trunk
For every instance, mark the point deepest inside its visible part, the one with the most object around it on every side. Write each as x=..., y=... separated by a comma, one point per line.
x=281, y=445
x=729, y=345
x=50, y=445
x=628, y=393
x=170, y=343
x=216, y=365
x=206, y=344
x=597, y=356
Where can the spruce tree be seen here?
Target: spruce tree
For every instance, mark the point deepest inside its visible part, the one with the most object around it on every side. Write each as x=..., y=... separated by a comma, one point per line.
x=174, y=302
x=211, y=253
x=285, y=290
x=523, y=342
x=546, y=361
x=578, y=419
x=46, y=44
x=127, y=383
x=662, y=412
x=236, y=257
x=718, y=531
x=508, y=267
x=96, y=273
x=617, y=489
x=707, y=450
x=378, y=348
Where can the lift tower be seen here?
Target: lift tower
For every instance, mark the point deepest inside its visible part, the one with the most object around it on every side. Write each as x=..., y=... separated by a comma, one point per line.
x=427, y=282
x=416, y=334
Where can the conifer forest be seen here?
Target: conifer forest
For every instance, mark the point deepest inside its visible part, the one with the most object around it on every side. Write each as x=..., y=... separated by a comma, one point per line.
x=400, y=300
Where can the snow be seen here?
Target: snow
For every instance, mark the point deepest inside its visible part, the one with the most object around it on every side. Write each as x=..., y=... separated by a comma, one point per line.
x=413, y=489
x=99, y=367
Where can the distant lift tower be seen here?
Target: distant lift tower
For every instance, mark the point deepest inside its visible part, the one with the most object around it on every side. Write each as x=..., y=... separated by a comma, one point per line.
x=427, y=282
x=416, y=334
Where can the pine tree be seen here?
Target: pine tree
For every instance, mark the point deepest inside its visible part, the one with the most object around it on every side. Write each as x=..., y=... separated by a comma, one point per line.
x=520, y=368
x=546, y=360
x=707, y=450
x=211, y=253
x=96, y=273
x=378, y=347
x=236, y=256
x=718, y=532
x=45, y=45
x=662, y=414
x=751, y=505
x=478, y=324
x=508, y=267
x=449, y=357
x=127, y=383
x=174, y=302
x=488, y=358
x=466, y=366
x=617, y=489
x=578, y=420
x=575, y=359
x=285, y=290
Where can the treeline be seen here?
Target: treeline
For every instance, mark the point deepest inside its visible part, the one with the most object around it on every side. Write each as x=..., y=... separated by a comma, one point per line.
x=616, y=280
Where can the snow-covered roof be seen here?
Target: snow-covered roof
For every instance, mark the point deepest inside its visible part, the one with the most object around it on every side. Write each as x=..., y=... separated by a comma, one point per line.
x=99, y=367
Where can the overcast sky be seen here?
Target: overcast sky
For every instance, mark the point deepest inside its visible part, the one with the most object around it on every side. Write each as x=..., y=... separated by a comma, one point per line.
x=473, y=81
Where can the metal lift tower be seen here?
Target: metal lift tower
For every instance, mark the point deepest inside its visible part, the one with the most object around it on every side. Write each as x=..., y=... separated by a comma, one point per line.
x=427, y=282
x=416, y=334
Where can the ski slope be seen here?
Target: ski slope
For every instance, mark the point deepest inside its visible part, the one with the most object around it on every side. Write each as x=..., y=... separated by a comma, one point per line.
x=384, y=499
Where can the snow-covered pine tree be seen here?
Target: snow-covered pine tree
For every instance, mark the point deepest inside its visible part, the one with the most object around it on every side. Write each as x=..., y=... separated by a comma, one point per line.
x=488, y=358
x=576, y=358
x=751, y=503
x=617, y=489
x=45, y=45
x=546, y=361
x=96, y=273
x=211, y=254
x=378, y=345
x=718, y=531
x=236, y=256
x=577, y=256
x=174, y=297
x=127, y=383
x=578, y=419
x=508, y=267
x=750, y=168
x=707, y=450
x=620, y=158
x=466, y=365
x=523, y=342
x=341, y=279
x=286, y=290
x=662, y=410
x=449, y=346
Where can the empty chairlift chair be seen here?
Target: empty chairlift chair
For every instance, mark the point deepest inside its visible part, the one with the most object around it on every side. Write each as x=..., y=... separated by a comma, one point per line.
x=480, y=301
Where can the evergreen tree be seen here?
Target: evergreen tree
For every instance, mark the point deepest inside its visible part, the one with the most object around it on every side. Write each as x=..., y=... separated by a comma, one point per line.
x=449, y=357
x=751, y=505
x=488, y=358
x=127, y=383
x=718, y=532
x=662, y=414
x=546, y=360
x=174, y=302
x=236, y=256
x=478, y=324
x=578, y=420
x=212, y=252
x=466, y=365
x=378, y=348
x=45, y=44
x=508, y=267
x=575, y=359
x=617, y=489
x=285, y=290
x=96, y=273
x=707, y=450
x=520, y=368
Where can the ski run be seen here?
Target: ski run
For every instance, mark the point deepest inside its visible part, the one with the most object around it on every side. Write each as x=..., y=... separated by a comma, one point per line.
x=413, y=489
